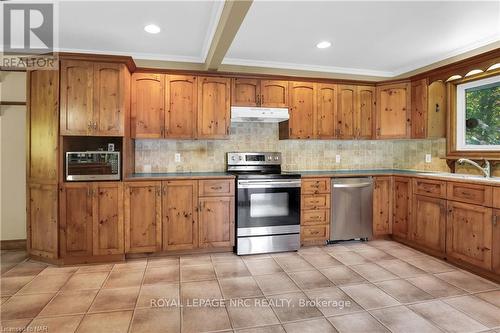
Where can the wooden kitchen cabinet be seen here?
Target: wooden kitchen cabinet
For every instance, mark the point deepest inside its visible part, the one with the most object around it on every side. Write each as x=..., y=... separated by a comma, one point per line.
x=382, y=205
x=393, y=111
x=216, y=221
x=143, y=214
x=346, y=111
x=256, y=92
x=470, y=193
x=428, y=224
x=496, y=197
x=302, y=110
x=419, y=109
x=180, y=218
x=469, y=234
x=326, y=111
x=180, y=106
x=428, y=109
x=93, y=98
x=274, y=93
x=315, y=211
x=214, y=107
x=42, y=217
x=147, y=106
x=365, y=110
x=495, y=243
x=401, y=207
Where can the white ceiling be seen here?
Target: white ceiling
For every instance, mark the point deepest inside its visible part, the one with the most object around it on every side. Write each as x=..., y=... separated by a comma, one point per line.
x=117, y=27
x=368, y=38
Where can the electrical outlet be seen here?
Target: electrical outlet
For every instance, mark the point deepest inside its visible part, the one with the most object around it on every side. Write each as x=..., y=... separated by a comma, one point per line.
x=337, y=159
x=177, y=158
x=428, y=158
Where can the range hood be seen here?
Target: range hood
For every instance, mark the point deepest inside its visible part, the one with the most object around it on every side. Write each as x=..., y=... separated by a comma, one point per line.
x=241, y=114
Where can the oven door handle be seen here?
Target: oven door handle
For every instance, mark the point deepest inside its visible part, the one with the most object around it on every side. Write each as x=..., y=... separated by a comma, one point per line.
x=268, y=184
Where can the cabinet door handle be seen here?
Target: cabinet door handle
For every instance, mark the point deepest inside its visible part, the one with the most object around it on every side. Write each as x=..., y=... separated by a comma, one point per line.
x=258, y=99
x=95, y=125
x=261, y=99
x=495, y=222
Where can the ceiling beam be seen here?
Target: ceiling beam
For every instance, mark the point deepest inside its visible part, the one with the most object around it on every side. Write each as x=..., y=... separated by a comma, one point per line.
x=232, y=16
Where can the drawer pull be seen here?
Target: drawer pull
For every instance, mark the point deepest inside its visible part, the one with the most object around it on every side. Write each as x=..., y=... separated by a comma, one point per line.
x=466, y=194
x=314, y=232
x=315, y=186
x=216, y=188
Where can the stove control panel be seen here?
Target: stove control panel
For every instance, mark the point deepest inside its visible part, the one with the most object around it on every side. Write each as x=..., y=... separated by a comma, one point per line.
x=254, y=158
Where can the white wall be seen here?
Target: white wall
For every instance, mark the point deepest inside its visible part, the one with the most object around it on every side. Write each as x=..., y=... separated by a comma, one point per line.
x=13, y=157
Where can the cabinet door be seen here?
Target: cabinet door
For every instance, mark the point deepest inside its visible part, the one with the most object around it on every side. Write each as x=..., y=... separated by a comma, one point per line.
x=302, y=109
x=76, y=219
x=180, y=221
x=382, y=206
x=214, y=107
x=401, y=207
x=326, y=111
x=436, y=110
x=216, y=221
x=495, y=253
x=469, y=234
x=345, y=112
x=393, y=111
x=274, y=93
x=365, y=110
x=42, y=220
x=147, y=111
x=419, y=109
x=76, y=97
x=429, y=223
x=109, y=103
x=142, y=210
x=107, y=208
x=245, y=92
x=180, y=103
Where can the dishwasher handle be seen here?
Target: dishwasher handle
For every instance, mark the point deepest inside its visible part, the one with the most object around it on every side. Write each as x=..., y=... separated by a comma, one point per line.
x=353, y=185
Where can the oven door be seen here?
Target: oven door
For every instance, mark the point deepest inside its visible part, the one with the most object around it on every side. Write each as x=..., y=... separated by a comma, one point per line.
x=268, y=207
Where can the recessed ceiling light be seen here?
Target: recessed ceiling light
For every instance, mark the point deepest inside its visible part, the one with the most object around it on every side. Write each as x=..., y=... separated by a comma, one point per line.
x=323, y=45
x=152, y=28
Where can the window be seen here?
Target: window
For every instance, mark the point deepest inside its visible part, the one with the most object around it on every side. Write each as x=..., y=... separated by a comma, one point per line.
x=478, y=115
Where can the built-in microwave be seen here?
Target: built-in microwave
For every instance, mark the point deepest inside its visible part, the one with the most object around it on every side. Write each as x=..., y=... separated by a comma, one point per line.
x=92, y=165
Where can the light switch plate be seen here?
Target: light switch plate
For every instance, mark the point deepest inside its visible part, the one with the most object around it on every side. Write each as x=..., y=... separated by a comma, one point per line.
x=428, y=158
x=337, y=158
x=177, y=158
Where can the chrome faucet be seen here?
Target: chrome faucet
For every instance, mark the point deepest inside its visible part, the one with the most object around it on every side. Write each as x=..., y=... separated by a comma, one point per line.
x=486, y=170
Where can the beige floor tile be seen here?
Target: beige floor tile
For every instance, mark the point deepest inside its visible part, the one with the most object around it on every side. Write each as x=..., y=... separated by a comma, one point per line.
x=263, y=266
x=310, y=326
x=51, y=270
x=208, y=290
x=86, y=281
x=157, y=295
x=491, y=296
x=165, y=274
x=310, y=280
x=310, y=250
x=109, y=322
x=482, y=311
x=252, y=257
x=401, y=319
x=204, y=319
x=361, y=322
x=11, y=285
x=196, y=260
x=293, y=307
x=374, y=254
x=293, y=263
x=45, y=284
x=429, y=264
x=333, y=301
x=373, y=272
x=321, y=260
x=369, y=296
x=251, y=312
x=24, y=306
x=16, y=325
x=164, y=262
x=165, y=320
x=224, y=256
x=335, y=248
x=275, y=283
x=342, y=275
x=25, y=268
x=350, y=258
x=404, y=252
x=467, y=281
x=115, y=299
x=197, y=272
x=95, y=268
x=71, y=302
x=265, y=329
x=124, y=279
x=403, y=291
x=229, y=269
x=357, y=246
x=131, y=265
x=434, y=286
x=66, y=324
x=3, y=299
x=238, y=287
x=400, y=268
x=447, y=317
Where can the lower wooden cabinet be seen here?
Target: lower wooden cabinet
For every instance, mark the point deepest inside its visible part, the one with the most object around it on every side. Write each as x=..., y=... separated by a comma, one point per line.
x=469, y=234
x=428, y=223
x=315, y=211
x=495, y=253
x=42, y=220
x=142, y=210
x=91, y=219
x=382, y=206
x=216, y=221
x=401, y=206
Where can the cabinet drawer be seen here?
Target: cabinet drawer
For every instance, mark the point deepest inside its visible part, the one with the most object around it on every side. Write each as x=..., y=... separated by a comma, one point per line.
x=319, y=232
x=470, y=193
x=429, y=187
x=317, y=201
x=315, y=185
x=315, y=217
x=215, y=187
x=496, y=197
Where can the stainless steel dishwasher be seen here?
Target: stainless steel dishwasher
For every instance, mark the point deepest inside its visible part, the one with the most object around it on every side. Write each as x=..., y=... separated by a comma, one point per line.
x=351, y=209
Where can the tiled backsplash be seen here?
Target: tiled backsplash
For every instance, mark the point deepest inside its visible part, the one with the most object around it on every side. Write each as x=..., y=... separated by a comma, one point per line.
x=209, y=155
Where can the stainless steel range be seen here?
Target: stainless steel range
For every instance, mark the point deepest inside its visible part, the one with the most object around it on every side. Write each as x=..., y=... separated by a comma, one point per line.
x=268, y=204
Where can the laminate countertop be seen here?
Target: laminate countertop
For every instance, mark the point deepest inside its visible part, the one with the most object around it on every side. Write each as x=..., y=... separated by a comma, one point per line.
x=177, y=175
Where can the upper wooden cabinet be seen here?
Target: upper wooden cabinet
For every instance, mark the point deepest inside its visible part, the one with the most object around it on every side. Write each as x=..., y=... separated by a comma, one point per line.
x=180, y=106
x=382, y=206
x=302, y=110
x=94, y=98
x=346, y=112
x=256, y=92
x=326, y=111
x=419, y=109
x=364, y=112
x=214, y=99
x=393, y=111
x=428, y=109
x=274, y=93
x=148, y=105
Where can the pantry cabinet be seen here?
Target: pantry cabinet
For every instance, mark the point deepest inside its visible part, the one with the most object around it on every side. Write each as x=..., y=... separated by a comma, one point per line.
x=214, y=107
x=42, y=217
x=326, y=111
x=401, y=206
x=393, y=111
x=382, y=206
x=428, y=224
